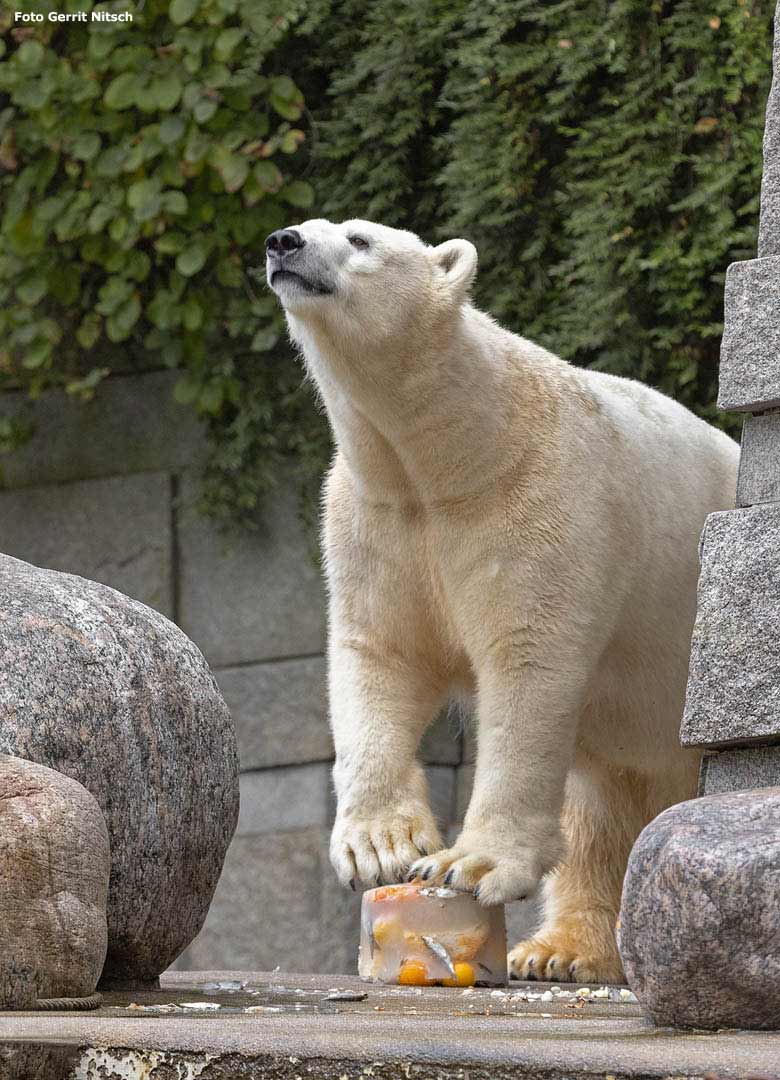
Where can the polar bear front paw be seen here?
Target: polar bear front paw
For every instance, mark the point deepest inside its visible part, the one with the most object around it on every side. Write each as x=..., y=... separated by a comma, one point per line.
x=380, y=849
x=560, y=957
x=496, y=874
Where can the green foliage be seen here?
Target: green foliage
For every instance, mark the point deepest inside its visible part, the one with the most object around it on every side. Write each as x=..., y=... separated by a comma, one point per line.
x=143, y=165
x=605, y=158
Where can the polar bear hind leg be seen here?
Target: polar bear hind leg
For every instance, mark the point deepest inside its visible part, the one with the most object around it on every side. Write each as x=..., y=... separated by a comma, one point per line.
x=605, y=810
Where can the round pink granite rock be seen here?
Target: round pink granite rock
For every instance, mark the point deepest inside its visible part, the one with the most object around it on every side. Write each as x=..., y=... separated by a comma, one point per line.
x=699, y=930
x=54, y=867
x=109, y=692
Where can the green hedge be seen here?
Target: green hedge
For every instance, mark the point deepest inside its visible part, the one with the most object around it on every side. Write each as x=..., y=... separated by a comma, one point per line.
x=604, y=156
x=143, y=165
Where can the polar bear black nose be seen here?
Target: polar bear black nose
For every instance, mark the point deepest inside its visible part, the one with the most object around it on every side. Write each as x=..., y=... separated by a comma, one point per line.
x=283, y=241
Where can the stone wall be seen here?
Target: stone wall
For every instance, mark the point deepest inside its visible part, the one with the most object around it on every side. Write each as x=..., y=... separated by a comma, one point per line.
x=107, y=490
x=733, y=703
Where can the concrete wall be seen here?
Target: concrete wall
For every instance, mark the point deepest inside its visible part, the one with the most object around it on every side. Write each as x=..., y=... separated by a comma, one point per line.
x=107, y=490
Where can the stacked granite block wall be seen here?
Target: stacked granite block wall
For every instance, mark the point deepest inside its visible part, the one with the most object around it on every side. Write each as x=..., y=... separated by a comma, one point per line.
x=733, y=702
x=107, y=490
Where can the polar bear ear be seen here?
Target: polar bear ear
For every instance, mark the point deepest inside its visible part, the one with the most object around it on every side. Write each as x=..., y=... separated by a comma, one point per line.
x=456, y=266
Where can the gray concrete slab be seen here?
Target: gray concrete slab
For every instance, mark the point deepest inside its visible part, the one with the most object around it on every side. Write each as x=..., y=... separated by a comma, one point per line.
x=280, y=711
x=116, y=531
x=245, y=597
x=132, y=425
x=393, y=1032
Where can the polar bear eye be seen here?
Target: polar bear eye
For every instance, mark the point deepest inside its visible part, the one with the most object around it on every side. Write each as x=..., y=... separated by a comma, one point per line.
x=358, y=241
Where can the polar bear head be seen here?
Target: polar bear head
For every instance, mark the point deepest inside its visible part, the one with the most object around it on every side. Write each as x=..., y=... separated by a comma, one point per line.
x=365, y=282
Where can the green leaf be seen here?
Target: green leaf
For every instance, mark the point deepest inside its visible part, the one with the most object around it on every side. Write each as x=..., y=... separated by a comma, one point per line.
x=111, y=161
x=143, y=197
x=268, y=176
x=170, y=243
x=89, y=330
x=192, y=259
x=171, y=129
x=137, y=265
x=229, y=273
x=163, y=310
x=166, y=91
x=226, y=42
x=113, y=294
x=216, y=76
x=100, y=217
x=119, y=325
x=86, y=145
x=122, y=92
x=174, y=202
x=37, y=355
x=192, y=314
x=211, y=397
x=205, y=109
x=298, y=193
x=181, y=11
x=291, y=140
x=233, y=168
x=24, y=238
x=284, y=88
x=117, y=230
x=32, y=290
x=264, y=339
x=288, y=109
x=30, y=54
x=84, y=389
x=186, y=390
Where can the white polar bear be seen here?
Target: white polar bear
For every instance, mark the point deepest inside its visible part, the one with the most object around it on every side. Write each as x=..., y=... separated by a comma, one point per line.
x=497, y=522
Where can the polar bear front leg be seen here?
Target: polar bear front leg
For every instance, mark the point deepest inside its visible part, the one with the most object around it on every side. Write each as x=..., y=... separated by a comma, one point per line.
x=526, y=715
x=380, y=706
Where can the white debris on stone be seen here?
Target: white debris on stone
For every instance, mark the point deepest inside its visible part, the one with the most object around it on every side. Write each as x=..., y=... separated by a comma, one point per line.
x=208, y=1006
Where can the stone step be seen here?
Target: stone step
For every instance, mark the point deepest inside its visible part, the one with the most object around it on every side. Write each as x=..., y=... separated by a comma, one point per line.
x=391, y=1033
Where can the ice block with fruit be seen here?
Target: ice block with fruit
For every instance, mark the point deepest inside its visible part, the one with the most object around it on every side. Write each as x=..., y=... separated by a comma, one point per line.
x=418, y=935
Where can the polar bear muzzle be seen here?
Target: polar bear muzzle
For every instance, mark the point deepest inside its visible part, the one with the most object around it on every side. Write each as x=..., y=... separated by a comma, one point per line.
x=288, y=265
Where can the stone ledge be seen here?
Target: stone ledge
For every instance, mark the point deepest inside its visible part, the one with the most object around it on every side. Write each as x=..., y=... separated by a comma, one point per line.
x=433, y=1035
x=750, y=350
x=733, y=694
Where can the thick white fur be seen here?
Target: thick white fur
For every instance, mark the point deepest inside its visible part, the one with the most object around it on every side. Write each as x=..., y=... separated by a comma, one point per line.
x=500, y=522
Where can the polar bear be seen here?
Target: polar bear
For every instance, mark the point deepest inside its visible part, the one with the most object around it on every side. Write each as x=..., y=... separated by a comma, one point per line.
x=498, y=523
